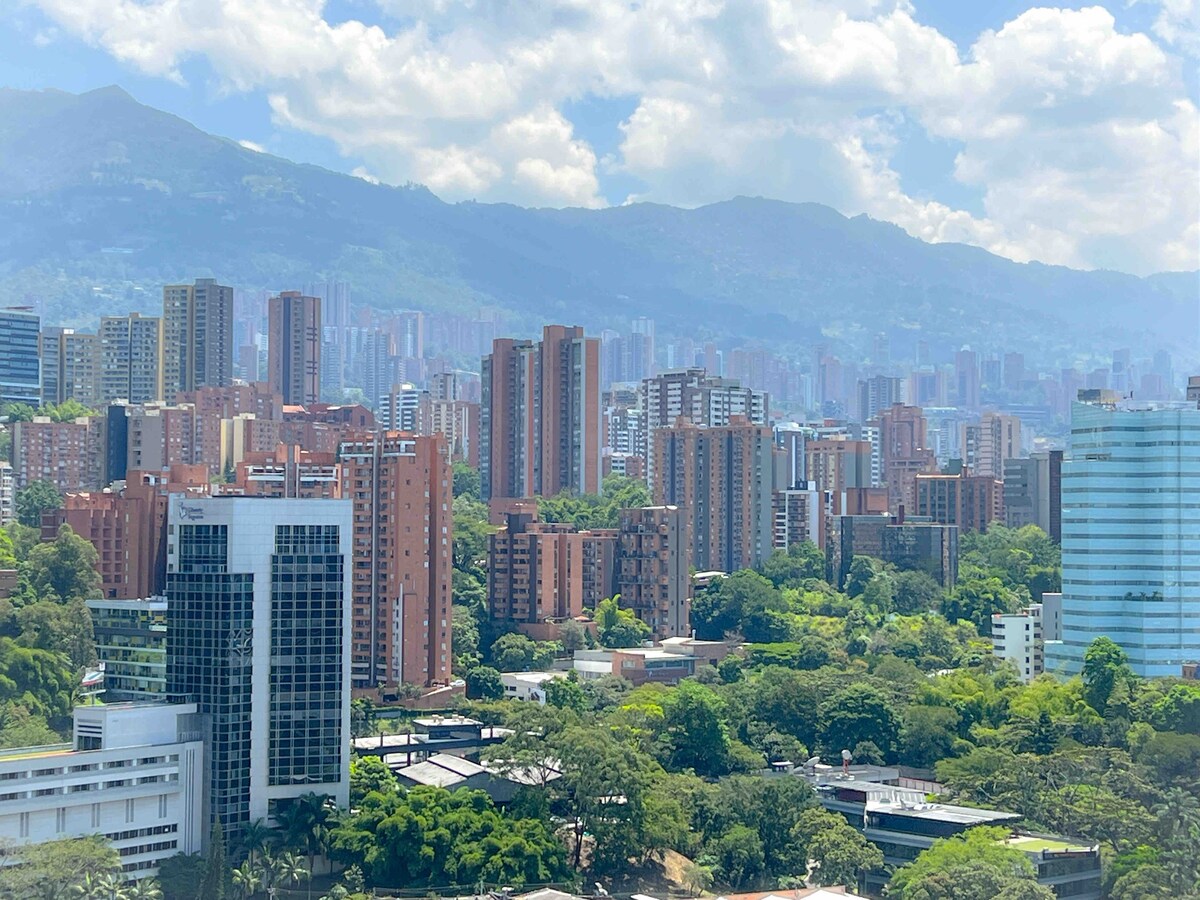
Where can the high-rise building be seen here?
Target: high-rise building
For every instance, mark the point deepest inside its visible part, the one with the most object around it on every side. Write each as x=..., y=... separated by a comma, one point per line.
x=908, y=544
x=540, y=424
x=652, y=571
x=197, y=336
x=70, y=366
x=1021, y=637
x=877, y=393
x=131, y=358
x=836, y=465
x=966, y=378
x=258, y=636
x=905, y=452
x=700, y=398
x=69, y=455
x=799, y=516
x=401, y=487
x=20, y=368
x=723, y=477
x=1131, y=536
x=397, y=409
x=542, y=570
x=1033, y=492
x=294, y=347
x=990, y=442
x=8, y=494
x=972, y=502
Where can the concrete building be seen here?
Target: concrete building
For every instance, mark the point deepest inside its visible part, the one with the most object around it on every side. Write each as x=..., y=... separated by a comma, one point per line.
x=69, y=455
x=70, y=366
x=877, y=393
x=540, y=428
x=1033, y=492
x=258, y=635
x=701, y=398
x=197, y=336
x=401, y=488
x=799, y=516
x=131, y=643
x=1131, y=535
x=20, y=365
x=541, y=570
x=723, y=477
x=922, y=546
x=905, y=453
x=397, y=409
x=133, y=773
x=294, y=347
x=662, y=665
x=131, y=358
x=528, y=686
x=838, y=464
x=1021, y=637
x=989, y=443
x=288, y=471
x=902, y=822
x=972, y=502
x=652, y=570
x=8, y=494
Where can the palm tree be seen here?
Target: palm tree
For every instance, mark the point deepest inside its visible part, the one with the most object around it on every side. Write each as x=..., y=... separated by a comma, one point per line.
x=104, y=886
x=287, y=868
x=247, y=878
x=254, y=838
x=146, y=889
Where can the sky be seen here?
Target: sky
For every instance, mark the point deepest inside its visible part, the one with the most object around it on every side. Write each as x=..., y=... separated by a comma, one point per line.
x=1066, y=135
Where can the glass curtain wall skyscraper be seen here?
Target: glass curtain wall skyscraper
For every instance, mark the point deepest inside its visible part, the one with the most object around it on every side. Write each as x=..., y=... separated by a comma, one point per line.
x=1131, y=537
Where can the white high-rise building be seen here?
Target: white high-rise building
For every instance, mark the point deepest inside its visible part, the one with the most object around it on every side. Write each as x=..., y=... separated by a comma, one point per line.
x=134, y=774
x=8, y=494
x=258, y=635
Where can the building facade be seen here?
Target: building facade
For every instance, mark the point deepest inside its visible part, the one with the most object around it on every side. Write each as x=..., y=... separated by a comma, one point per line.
x=541, y=431
x=131, y=358
x=723, y=477
x=258, y=636
x=294, y=347
x=401, y=488
x=133, y=773
x=20, y=366
x=70, y=366
x=652, y=571
x=1033, y=492
x=909, y=545
x=799, y=516
x=131, y=643
x=1131, y=535
x=972, y=502
x=69, y=455
x=197, y=336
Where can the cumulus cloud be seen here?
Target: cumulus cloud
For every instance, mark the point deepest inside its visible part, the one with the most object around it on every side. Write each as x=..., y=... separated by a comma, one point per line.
x=1079, y=139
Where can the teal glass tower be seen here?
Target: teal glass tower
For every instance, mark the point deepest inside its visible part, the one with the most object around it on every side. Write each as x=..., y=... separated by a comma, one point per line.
x=1131, y=536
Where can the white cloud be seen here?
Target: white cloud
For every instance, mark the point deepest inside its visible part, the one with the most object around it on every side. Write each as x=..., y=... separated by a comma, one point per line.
x=251, y=145
x=1079, y=139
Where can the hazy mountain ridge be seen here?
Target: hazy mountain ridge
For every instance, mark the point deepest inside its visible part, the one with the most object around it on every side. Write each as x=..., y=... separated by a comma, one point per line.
x=98, y=188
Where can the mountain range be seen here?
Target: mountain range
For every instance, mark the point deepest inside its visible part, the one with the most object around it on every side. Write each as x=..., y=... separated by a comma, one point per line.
x=104, y=199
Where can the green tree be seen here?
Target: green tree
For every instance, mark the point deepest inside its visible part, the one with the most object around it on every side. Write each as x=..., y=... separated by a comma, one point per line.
x=739, y=856
x=50, y=870
x=21, y=728
x=466, y=480
x=36, y=498
x=975, y=865
x=978, y=599
x=862, y=570
x=793, y=567
x=363, y=721
x=212, y=882
x=60, y=628
x=928, y=734
x=65, y=567
x=180, y=875
x=619, y=627
x=367, y=774
x=859, y=713
x=1179, y=709
x=1104, y=665
x=746, y=603
x=483, y=683
x=565, y=693
x=464, y=637
x=514, y=652
x=916, y=592
x=841, y=854
x=694, y=732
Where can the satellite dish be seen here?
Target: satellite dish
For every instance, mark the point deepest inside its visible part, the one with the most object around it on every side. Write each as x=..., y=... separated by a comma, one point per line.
x=814, y=762
x=847, y=756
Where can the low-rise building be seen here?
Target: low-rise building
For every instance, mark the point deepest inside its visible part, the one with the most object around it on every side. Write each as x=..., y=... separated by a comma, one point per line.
x=907, y=543
x=131, y=643
x=638, y=664
x=527, y=685
x=134, y=773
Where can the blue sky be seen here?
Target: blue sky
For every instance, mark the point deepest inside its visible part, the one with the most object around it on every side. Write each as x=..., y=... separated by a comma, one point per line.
x=492, y=109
